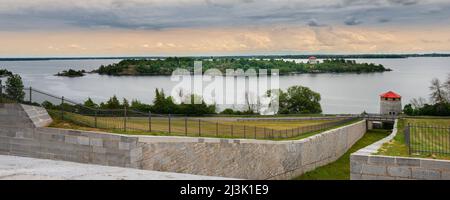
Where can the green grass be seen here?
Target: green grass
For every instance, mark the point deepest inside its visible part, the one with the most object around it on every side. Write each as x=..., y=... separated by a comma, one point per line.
x=340, y=169
x=140, y=126
x=398, y=147
x=279, y=124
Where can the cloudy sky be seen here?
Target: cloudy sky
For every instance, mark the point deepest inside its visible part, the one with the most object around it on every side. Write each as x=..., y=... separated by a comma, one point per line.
x=222, y=27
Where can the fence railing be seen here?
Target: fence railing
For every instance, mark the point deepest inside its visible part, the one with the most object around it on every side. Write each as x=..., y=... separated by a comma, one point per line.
x=127, y=120
x=427, y=139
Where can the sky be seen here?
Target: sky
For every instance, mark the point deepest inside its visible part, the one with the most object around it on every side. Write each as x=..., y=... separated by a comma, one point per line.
x=222, y=27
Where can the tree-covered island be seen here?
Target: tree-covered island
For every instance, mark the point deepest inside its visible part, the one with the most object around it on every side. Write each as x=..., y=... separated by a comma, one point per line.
x=140, y=67
x=71, y=73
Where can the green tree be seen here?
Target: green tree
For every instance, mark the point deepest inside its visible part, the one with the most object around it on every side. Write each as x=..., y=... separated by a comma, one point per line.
x=14, y=87
x=48, y=105
x=112, y=103
x=125, y=103
x=408, y=109
x=89, y=103
x=4, y=72
x=137, y=105
x=196, y=109
x=163, y=104
x=303, y=100
x=296, y=100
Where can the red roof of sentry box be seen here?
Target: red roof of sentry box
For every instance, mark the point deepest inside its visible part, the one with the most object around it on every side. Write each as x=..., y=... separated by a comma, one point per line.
x=390, y=94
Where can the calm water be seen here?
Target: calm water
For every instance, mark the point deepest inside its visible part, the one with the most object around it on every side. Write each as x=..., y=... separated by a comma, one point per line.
x=341, y=93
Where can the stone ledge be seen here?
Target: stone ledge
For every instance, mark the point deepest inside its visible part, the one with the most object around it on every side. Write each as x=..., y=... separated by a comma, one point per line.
x=37, y=115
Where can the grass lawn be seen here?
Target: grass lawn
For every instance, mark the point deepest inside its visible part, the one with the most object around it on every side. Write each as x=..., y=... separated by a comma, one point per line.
x=179, y=127
x=398, y=147
x=340, y=169
x=279, y=124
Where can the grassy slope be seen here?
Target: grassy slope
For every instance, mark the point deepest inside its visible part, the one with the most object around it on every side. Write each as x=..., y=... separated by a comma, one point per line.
x=159, y=127
x=397, y=146
x=340, y=169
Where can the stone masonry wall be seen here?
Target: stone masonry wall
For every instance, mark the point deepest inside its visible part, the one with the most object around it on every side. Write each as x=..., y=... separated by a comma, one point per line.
x=248, y=159
x=21, y=135
x=366, y=166
x=37, y=115
x=237, y=158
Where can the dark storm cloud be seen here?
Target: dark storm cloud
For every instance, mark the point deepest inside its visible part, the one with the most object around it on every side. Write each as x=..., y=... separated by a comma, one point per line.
x=352, y=21
x=404, y=2
x=384, y=20
x=314, y=23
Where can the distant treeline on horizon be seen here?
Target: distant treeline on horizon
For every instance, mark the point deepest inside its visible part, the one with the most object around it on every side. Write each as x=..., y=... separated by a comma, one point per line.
x=319, y=56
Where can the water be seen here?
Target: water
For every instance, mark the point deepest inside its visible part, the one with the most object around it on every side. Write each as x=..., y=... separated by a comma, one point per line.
x=341, y=93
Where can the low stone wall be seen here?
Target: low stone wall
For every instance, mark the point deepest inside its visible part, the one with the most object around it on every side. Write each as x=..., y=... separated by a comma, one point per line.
x=366, y=166
x=248, y=159
x=237, y=158
x=22, y=134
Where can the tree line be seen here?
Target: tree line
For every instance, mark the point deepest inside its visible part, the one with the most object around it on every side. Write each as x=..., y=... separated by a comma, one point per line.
x=168, y=65
x=295, y=100
x=438, y=104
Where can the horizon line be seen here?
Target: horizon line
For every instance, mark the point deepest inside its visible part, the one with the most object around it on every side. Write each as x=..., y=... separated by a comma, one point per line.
x=212, y=56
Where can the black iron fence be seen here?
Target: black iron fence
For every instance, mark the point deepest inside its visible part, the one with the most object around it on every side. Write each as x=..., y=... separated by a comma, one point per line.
x=132, y=121
x=427, y=139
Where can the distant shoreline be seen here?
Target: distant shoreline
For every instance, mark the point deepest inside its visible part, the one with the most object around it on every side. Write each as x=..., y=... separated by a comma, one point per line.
x=319, y=56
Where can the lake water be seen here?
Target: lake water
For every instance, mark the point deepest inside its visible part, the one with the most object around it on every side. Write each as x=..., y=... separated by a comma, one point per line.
x=341, y=93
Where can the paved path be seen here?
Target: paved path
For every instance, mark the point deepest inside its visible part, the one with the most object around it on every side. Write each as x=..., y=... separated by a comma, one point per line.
x=19, y=168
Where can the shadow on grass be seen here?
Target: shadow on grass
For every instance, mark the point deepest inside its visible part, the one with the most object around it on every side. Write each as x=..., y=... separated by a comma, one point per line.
x=340, y=169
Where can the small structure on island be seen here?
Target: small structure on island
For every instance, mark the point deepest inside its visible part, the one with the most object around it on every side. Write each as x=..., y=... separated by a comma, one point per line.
x=312, y=60
x=390, y=103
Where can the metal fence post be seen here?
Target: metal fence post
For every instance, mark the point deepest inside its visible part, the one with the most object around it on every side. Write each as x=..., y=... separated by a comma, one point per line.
x=125, y=119
x=199, y=128
x=1, y=92
x=62, y=108
x=407, y=138
x=231, y=130
x=185, y=125
x=149, y=121
x=95, y=119
x=244, y=131
x=170, y=124
x=255, y=132
x=31, y=100
x=217, y=129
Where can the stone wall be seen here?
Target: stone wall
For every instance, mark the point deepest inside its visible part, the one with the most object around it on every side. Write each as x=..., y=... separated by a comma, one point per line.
x=237, y=158
x=248, y=159
x=366, y=166
x=21, y=134
x=387, y=106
